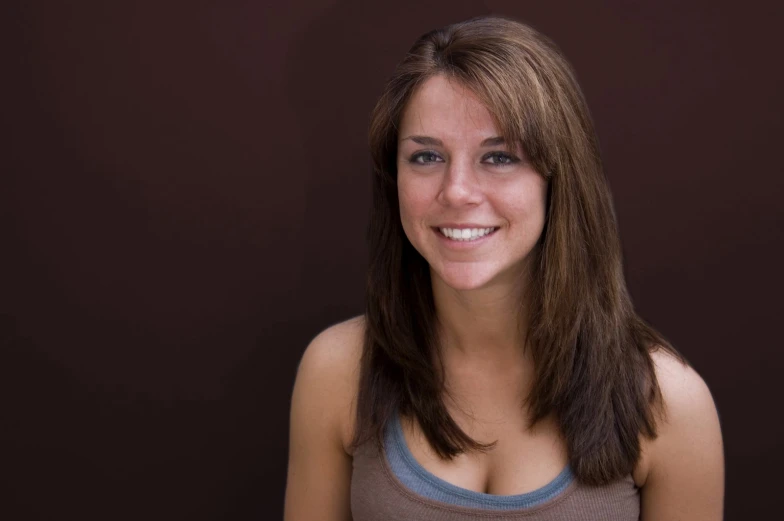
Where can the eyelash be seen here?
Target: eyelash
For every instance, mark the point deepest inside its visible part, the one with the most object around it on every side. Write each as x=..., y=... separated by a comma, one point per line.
x=508, y=159
x=414, y=159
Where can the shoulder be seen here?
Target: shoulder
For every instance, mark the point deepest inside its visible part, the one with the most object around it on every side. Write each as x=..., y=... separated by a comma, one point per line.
x=328, y=377
x=686, y=457
x=686, y=398
x=335, y=348
x=319, y=468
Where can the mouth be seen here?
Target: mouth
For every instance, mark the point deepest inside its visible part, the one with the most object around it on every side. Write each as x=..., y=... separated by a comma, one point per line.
x=466, y=234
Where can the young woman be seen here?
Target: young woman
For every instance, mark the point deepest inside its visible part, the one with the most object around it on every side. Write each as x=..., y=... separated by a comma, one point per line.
x=499, y=369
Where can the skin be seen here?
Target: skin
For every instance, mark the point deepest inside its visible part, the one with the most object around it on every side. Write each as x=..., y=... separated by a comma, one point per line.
x=469, y=178
x=448, y=172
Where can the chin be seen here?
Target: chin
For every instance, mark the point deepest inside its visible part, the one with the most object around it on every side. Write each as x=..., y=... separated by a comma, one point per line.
x=463, y=280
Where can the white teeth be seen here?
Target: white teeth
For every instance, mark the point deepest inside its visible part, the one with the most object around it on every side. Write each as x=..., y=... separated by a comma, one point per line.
x=465, y=234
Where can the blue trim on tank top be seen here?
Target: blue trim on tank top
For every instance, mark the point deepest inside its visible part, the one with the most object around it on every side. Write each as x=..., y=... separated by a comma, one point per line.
x=419, y=480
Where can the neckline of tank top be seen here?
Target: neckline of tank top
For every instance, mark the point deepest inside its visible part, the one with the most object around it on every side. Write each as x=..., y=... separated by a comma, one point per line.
x=417, y=479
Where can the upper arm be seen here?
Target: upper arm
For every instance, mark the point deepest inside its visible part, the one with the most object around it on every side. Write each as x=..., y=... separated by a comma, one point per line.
x=319, y=467
x=685, y=477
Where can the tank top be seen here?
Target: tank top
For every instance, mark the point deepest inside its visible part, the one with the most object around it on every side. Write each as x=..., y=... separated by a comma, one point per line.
x=389, y=484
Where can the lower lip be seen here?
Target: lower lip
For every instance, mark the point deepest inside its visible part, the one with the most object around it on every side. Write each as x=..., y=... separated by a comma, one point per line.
x=463, y=245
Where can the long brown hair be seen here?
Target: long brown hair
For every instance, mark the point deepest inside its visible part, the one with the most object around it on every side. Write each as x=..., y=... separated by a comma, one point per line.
x=591, y=351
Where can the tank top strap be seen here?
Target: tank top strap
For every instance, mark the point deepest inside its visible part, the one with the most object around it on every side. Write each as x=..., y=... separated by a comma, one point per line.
x=377, y=492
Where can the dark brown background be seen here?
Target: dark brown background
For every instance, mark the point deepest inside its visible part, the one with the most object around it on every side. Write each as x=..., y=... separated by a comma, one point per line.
x=183, y=205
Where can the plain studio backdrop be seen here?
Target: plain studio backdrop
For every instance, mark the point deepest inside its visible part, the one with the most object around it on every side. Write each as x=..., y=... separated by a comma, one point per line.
x=184, y=197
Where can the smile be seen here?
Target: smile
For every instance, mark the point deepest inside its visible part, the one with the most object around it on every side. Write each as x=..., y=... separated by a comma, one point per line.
x=466, y=234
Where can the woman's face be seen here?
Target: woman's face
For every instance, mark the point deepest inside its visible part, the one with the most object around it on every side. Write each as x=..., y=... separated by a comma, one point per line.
x=471, y=205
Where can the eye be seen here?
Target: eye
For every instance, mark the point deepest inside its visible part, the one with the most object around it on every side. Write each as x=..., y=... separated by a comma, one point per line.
x=500, y=158
x=424, y=158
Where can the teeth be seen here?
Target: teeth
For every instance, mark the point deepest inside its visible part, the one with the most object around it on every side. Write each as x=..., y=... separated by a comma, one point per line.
x=465, y=234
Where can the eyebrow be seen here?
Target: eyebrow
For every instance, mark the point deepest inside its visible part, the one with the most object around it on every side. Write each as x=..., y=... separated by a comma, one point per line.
x=433, y=142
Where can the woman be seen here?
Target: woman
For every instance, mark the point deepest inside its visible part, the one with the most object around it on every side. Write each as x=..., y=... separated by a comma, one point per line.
x=500, y=369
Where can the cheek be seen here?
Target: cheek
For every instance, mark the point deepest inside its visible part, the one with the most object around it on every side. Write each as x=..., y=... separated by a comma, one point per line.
x=538, y=213
x=414, y=205
x=406, y=205
x=412, y=198
x=530, y=209
x=533, y=206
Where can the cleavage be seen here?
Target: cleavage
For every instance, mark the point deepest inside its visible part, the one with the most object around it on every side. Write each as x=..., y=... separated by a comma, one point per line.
x=522, y=460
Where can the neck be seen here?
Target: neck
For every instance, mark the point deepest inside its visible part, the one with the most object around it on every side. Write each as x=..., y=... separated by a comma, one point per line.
x=483, y=336
x=485, y=324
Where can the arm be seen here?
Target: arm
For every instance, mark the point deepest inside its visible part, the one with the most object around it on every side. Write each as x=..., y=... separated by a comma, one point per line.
x=685, y=476
x=319, y=468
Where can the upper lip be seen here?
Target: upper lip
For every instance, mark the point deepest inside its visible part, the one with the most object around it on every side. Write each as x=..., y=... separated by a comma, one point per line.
x=464, y=225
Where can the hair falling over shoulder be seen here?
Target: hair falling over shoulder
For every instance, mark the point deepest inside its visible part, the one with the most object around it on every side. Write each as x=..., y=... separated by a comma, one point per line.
x=591, y=350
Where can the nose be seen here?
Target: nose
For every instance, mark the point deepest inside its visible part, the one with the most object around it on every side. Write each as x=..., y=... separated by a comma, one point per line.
x=460, y=184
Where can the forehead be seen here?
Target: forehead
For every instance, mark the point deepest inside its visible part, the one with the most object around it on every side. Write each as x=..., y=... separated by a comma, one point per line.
x=445, y=109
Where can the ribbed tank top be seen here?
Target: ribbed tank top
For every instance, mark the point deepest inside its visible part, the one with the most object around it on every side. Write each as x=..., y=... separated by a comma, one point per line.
x=390, y=484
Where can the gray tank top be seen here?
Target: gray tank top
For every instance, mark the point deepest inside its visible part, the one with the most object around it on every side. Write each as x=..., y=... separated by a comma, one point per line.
x=390, y=484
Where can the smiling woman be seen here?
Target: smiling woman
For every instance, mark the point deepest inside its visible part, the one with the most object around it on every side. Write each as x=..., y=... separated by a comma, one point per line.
x=473, y=207
x=499, y=369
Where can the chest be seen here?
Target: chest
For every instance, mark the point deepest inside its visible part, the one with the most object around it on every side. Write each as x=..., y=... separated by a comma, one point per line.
x=522, y=459
x=380, y=489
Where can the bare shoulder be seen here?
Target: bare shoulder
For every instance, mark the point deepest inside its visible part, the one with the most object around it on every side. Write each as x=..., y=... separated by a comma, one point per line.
x=683, y=469
x=685, y=399
x=328, y=374
x=320, y=466
x=684, y=392
x=336, y=347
